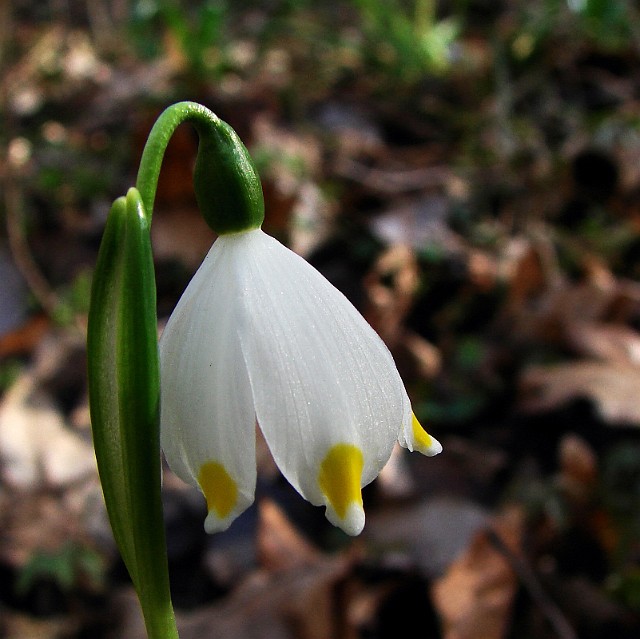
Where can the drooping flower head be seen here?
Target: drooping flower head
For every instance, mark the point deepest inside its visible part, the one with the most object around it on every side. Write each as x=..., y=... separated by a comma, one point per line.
x=260, y=336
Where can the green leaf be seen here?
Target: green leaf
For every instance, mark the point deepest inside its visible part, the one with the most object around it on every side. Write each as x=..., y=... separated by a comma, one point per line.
x=124, y=395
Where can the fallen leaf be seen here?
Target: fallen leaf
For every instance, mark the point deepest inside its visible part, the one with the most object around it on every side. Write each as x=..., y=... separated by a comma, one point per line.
x=36, y=446
x=430, y=534
x=525, y=268
x=391, y=286
x=578, y=463
x=280, y=545
x=289, y=604
x=475, y=596
x=543, y=305
x=606, y=341
x=614, y=388
x=21, y=626
x=419, y=223
x=181, y=234
x=43, y=521
x=25, y=337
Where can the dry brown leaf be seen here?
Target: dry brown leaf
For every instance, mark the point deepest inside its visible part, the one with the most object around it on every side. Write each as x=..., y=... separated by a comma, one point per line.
x=24, y=338
x=543, y=305
x=391, y=286
x=364, y=602
x=614, y=388
x=292, y=604
x=578, y=472
x=280, y=545
x=180, y=233
x=548, y=317
x=45, y=521
x=578, y=461
x=525, y=270
x=36, y=446
x=591, y=300
x=475, y=596
x=483, y=270
x=419, y=222
x=605, y=341
x=295, y=207
x=428, y=534
x=577, y=317
x=300, y=600
x=15, y=625
x=423, y=356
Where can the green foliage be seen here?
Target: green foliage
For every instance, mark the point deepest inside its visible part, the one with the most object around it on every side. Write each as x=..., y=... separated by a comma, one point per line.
x=465, y=393
x=470, y=353
x=198, y=29
x=406, y=38
x=625, y=587
x=74, y=299
x=620, y=491
x=71, y=173
x=66, y=567
x=10, y=370
x=77, y=178
x=399, y=40
x=606, y=23
x=458, y=409
x=266, y=159
x=621, y=484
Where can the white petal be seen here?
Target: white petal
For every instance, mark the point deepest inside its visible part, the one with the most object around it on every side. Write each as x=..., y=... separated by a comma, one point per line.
x=414, y=437
x=319, y=373
x=352, y=522
x=207, y=414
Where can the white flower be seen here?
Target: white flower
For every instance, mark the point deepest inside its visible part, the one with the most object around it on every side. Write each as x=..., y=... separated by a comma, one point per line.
x=260, y=335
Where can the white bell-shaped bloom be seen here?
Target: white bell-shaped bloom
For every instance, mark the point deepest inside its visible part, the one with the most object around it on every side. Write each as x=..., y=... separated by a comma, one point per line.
x=260, y=335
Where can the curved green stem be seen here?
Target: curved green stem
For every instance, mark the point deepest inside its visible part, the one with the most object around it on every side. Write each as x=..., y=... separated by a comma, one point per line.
x=170, y=119
x=225, y=179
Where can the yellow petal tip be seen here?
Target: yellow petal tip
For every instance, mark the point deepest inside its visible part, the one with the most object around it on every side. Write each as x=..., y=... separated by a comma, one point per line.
x=422, y=441
x=221, y=493
x=339, y=480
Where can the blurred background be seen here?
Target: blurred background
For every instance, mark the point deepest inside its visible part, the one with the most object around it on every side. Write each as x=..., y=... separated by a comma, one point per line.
x=467, y=172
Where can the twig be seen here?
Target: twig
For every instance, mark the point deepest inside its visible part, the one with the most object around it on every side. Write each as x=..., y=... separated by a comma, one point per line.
x=39, y=286
x=393, y=182
x=529, y=580
x=13, y=198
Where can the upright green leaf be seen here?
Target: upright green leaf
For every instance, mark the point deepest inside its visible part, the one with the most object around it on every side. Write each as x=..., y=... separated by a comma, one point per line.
x=124, y=397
